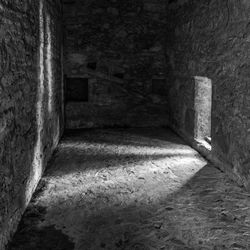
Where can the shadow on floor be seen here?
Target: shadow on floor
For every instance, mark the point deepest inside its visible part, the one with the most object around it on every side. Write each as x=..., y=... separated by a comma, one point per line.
x=208, y=212
x=126, y=136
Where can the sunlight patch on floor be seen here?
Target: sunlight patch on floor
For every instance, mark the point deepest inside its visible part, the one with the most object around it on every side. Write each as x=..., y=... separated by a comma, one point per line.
x=103, y=168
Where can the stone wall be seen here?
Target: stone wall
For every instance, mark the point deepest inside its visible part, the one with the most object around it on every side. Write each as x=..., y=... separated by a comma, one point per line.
x=118, y=46
x=212, y=39
x=30, y=101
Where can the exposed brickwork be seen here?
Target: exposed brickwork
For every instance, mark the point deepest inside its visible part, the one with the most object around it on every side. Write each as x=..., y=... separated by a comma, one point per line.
x=119, y=46
x=211, y=39
x=31, y=95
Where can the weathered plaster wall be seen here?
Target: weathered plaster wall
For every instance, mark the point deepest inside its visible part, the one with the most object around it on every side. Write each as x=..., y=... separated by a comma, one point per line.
x=118, y=45
x=30, y=101
x=212, y=39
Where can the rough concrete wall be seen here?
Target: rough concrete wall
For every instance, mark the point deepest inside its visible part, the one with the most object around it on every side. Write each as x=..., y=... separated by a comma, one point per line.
x=30, y=101
x=212, y=39
x=118, y=46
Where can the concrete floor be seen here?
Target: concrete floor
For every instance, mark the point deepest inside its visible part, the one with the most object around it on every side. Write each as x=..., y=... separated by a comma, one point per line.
x=133, y=189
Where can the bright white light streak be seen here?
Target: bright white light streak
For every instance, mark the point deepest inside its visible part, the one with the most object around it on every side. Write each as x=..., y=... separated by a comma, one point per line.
x=37, y=163
x=49, y=63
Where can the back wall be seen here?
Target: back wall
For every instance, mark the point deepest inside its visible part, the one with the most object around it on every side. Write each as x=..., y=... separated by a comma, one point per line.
x=114, y=50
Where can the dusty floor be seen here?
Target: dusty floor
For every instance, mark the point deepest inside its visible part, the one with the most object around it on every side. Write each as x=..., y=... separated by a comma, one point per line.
x=133, y=189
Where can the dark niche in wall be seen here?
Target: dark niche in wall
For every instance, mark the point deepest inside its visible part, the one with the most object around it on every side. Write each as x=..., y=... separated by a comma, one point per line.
x=92, y=65
x=77, y=89
x=159, y=86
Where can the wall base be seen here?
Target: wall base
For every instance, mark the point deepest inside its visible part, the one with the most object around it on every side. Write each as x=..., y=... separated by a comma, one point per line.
x=208, y=154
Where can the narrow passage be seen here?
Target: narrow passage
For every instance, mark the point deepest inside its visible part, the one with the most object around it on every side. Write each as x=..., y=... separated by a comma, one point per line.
x=133, y=189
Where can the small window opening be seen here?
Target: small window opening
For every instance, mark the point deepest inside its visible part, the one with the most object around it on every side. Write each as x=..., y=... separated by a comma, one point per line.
x=203, y=109
x=77, y=90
